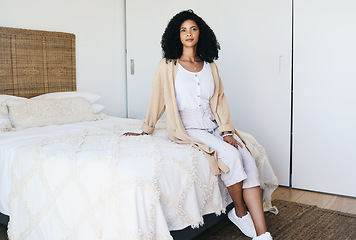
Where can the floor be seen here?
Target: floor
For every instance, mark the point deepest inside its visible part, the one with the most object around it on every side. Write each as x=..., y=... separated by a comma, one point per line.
x=338, y=203
x=327, y=201
x=3, y=235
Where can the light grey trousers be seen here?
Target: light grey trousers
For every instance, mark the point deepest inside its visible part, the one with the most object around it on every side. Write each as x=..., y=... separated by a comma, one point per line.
x=241, y=164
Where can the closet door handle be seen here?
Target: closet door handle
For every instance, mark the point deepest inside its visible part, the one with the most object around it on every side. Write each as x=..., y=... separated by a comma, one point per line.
x=132, y=62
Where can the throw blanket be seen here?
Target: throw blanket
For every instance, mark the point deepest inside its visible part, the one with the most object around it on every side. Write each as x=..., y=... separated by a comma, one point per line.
x=94, y=183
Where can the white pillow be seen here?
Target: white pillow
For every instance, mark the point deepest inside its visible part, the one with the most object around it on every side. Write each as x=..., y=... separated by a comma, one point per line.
x=91, y=97
x=97, y=107
x=43, y=112
x=4, y=97
x=3, y=108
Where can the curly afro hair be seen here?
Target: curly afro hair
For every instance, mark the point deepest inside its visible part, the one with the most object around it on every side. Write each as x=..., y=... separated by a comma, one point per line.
x=208, y=47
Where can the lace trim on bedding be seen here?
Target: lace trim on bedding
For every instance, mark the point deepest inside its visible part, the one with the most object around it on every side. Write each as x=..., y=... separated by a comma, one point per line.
x=101, y=116
x=8, y=128
x=114, y=191
x=92, y=141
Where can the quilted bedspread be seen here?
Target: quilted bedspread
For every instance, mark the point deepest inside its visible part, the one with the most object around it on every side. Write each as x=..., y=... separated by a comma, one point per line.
x=95, y=183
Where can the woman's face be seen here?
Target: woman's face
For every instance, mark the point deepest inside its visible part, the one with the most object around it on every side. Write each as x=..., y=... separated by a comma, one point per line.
x=189, y=33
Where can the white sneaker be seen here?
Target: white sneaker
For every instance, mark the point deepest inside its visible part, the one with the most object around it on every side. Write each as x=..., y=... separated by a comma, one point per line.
x=245, y=223
x=265, y=236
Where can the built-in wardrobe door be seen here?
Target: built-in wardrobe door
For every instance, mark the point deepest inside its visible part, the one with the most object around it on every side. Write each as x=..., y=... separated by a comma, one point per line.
x=324, y=156
x=145, y=24
x=255, y=66
x=254, y=63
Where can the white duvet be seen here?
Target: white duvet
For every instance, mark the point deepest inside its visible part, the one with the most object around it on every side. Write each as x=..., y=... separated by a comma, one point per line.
x=87, y=181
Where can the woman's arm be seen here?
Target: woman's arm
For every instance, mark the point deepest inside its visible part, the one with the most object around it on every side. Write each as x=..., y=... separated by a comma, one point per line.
x=156, y=105
x=228, y=137
x=220, y=105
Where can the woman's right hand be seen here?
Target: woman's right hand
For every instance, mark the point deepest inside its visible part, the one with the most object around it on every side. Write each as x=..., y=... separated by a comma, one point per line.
x=134, y=134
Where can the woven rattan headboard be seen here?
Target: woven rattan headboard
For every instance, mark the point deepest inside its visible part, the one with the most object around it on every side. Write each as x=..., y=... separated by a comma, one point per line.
x=35, y=62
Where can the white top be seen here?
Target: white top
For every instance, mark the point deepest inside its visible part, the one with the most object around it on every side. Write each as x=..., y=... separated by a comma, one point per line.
x=194, y=89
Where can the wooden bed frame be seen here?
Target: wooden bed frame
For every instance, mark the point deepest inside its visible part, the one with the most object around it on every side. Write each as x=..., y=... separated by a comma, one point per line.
x=35, y=62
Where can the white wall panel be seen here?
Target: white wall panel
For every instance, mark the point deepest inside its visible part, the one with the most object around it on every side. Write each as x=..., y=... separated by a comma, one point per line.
x=255, y=66
x=99, y=27
x=324, y=157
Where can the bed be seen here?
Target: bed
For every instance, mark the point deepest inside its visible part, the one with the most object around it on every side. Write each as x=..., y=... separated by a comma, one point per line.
x=79, y=177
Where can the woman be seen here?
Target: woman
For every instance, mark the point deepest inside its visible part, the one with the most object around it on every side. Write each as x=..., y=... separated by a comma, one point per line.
x=187, y=85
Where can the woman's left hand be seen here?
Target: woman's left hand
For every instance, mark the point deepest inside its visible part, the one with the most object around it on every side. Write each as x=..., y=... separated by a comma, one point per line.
x=232, y=141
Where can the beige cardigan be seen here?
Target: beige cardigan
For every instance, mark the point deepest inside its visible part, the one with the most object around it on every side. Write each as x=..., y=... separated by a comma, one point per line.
x=163, y=98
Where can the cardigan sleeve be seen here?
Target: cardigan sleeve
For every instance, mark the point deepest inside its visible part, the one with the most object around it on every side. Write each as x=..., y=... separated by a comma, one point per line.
x=222, y=109
x=156, y=105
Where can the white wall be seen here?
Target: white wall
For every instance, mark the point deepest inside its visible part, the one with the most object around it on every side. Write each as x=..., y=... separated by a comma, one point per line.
x=99, y=27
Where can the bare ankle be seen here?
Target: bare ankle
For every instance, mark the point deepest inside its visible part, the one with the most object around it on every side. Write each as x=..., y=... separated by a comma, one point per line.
x=240, y=212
